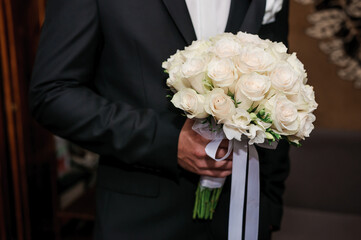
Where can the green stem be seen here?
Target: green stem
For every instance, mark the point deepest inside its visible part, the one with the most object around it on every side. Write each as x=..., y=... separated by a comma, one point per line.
x=212, y=203
x=199, y=210
x=207, y=203
x=202, y=203
x=219, y=190
x=206, y=200
x=196, y=203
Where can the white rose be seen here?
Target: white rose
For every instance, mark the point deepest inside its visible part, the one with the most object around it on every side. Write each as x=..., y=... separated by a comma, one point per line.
x=222, y=72
x=306, y=125
x=173, y=61
x=193, y=67
x=176, y=81
x=305, y=100
x=247, y=39
x=238, y=125
x=196, y=49
x=298, y=66
x=241, y=119
x=284, y=114
x=226, y=47
x=194, y=71
x=309, y=96
x=254, y=86
x=254, y=59
x=242, y=100
x=219, y=105
x=284, y=78
x=189, y=101
x=278, y=50
x=221, y=35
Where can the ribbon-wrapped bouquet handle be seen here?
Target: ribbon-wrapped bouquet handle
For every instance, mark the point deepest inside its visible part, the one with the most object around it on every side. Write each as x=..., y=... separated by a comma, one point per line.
x=245, y=172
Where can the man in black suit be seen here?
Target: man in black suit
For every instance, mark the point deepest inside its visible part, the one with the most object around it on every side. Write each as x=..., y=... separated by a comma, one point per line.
x=98, y=82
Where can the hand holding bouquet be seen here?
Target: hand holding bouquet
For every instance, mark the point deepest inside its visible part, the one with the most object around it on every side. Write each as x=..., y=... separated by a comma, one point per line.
x=242, y=87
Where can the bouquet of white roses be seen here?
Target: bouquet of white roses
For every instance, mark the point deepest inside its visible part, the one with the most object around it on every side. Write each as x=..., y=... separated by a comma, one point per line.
x=250, y=87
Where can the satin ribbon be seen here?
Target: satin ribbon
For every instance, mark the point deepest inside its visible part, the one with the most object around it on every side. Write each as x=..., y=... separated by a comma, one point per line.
x=245, y=171
x=245, y=185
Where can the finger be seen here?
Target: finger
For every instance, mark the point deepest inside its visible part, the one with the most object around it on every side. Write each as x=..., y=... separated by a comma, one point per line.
x=215, y=173
x=224, y=143
x=221, y=152
x=200, y=153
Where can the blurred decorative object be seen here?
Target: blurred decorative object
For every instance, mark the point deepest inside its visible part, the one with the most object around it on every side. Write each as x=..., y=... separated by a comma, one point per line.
x=62, y=156
x=83, y=157
x=338, y=24
x=76, y=171
x=68, y=153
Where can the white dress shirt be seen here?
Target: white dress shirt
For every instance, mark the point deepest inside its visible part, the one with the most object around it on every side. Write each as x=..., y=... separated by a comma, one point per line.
x=209, y=17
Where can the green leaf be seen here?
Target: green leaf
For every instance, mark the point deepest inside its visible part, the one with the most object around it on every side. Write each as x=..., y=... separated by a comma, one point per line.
x=230, y=94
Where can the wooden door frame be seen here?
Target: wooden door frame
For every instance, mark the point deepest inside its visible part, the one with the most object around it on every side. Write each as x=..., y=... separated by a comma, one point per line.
x=28, y=151
x=4, y=204
x=13, y=120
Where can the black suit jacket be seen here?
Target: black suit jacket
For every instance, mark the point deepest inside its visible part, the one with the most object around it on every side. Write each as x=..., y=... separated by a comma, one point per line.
x=98, y=82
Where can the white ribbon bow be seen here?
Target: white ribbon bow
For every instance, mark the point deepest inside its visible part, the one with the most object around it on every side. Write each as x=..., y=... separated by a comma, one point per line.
x=245, y=181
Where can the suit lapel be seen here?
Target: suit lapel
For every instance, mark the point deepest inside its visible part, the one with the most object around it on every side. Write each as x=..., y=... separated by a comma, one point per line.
x=179, y=12
x=236, y=16
x=254, y=16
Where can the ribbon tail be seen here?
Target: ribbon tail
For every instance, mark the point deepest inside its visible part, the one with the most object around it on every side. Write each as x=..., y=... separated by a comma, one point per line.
x=253, y=195
x=238, y=190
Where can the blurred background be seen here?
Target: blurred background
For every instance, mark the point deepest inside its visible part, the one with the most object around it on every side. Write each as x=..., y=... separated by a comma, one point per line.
x=47, y=183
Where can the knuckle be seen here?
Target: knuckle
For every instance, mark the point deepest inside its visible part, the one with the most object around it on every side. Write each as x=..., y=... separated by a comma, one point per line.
x=223, y=174
x=229, y=165
x=198, y=152
x=208, y=173
x=201, y=165
x=219, y=164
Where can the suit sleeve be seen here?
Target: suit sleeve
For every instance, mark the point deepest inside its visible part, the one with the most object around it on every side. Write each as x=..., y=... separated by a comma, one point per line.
x=62, y=101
